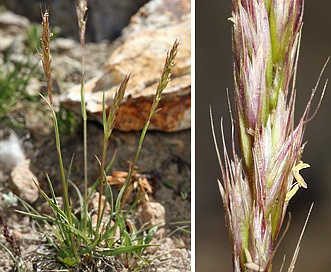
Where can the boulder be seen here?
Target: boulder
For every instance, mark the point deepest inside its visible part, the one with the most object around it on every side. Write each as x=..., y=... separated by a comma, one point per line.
x=141, y=51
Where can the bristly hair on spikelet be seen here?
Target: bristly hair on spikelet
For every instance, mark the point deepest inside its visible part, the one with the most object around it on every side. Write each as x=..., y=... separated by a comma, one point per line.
x=256, y=189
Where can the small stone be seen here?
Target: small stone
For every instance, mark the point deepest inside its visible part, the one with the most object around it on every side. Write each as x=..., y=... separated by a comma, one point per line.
x=22, y=179
x=9, y=18
x=5, y=43
x=61, y=45
x=34, y=86
x=152, y=214
x=178, y=253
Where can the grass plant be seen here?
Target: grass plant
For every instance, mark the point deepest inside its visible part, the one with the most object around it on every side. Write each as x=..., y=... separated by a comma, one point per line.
x=76, y=236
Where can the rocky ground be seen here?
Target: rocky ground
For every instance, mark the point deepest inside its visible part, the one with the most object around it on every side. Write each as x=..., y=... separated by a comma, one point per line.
x=164, y=159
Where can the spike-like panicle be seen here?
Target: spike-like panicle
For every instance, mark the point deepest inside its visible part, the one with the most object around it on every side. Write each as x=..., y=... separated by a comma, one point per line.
x=81, y=9
x=256, y=190
x=45, y=55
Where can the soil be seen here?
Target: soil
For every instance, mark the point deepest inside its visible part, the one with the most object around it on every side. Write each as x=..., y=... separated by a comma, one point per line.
x=164, y=159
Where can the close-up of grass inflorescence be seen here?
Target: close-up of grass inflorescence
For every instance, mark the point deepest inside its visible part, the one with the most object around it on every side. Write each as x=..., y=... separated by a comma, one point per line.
x=259, y=183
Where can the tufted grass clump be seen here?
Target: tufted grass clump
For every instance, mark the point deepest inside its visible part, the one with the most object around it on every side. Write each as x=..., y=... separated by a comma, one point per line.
x=80, y=235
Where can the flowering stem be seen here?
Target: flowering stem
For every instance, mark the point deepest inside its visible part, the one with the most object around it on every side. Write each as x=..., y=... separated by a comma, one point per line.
x=81, y=9
x=164, y=81
x=46, y=61
x=108, y=125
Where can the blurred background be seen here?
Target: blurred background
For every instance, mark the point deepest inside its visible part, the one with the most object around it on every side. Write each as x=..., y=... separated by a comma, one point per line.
x=213, y=77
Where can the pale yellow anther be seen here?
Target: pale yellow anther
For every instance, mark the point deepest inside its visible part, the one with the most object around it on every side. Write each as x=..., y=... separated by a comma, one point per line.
x=248, y=256
x=250, y=263
x=253, y=266
x=301, y=165
x=292, y=192
x=299, y=179
x=231, y=19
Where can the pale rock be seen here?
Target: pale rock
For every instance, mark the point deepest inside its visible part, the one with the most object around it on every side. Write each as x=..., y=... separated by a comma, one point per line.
x=5, y=43
x=152, y=214
x=34, y=86
x=178, y=253
x=62, y=45
x=22, y=179
x=8, y=18
x=141, y=51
